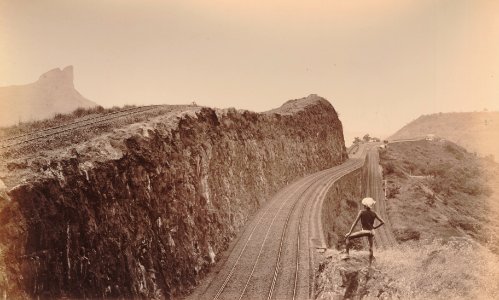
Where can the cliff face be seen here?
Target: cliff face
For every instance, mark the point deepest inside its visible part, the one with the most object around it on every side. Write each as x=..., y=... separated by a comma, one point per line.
x=150, y=216
x=52, y=93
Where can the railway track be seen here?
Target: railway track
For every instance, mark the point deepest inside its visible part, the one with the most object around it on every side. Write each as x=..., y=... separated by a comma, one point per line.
x=273, y=257
x=384, y=236
x=282, y=194
x=415, y=139
x=63, y=125
x=288, y=201
x=80, y=124
x=302, y=235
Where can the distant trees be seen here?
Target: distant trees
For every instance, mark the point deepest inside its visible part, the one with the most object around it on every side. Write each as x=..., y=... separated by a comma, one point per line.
x=490, y=157
x=366, y=138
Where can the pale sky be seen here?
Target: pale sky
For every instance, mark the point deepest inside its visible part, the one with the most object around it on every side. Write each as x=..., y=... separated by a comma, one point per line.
x=381, y=63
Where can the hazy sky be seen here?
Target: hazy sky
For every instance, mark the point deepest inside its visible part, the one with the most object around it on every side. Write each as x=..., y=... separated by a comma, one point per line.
x=381, y=63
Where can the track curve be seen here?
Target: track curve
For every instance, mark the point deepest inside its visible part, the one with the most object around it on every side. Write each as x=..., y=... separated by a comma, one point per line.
x=273, y=257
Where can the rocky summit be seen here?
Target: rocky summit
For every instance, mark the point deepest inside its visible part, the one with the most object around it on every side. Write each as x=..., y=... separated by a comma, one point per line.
x=52, y=93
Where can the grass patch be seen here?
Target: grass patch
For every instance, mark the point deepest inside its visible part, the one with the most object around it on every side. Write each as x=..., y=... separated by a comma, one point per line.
x=457, y=269
x=58, y=119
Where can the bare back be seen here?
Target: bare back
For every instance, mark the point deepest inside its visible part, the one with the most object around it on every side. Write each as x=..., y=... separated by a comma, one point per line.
x=367, y=218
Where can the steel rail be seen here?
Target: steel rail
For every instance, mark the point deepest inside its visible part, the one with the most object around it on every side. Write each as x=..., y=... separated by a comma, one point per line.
x=316, y=225
x=266, y=236
x=228, y=277
x=310, y=182
x=71, y=123
x=277, y=266
x=344, y=169
x=329, y=181
x=76, y=128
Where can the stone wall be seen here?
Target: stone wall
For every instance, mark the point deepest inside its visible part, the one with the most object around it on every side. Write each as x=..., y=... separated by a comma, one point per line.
x=341, y=205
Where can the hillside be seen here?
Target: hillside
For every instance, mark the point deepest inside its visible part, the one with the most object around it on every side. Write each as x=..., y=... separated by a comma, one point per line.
x=144, y=205
x=439, y=190
x=476, y=131
x=442, y=204
x=52, y=93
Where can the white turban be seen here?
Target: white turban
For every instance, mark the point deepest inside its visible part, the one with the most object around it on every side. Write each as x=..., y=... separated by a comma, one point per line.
x=369, y=202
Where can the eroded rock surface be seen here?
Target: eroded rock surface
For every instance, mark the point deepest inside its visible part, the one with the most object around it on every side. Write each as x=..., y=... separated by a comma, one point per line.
x=354, y=278
x=146, y=210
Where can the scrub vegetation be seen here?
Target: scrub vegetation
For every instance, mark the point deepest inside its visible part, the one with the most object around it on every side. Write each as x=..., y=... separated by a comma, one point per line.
x=442, y=204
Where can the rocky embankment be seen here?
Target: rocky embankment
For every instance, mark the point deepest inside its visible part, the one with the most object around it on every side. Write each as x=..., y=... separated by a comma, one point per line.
x=341, y=205
x=352, y=279
x=146, y=210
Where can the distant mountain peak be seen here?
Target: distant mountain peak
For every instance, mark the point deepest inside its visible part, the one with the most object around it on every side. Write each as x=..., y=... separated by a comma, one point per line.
x=58, y=77
x=52, y=93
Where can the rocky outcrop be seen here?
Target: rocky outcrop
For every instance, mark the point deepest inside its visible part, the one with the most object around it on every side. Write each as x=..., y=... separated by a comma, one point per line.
x=352, y=279
x=52, y=93
x=57, y=77
x=148, y=213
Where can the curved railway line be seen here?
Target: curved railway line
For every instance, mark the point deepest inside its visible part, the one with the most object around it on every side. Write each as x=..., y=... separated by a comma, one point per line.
x=268, y=209
x=273, y=257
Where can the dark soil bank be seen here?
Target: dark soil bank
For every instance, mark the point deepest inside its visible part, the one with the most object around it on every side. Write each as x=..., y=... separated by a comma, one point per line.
x=151, y=218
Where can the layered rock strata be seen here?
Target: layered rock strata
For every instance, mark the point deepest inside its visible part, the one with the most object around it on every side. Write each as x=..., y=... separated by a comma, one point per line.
x=148, y=213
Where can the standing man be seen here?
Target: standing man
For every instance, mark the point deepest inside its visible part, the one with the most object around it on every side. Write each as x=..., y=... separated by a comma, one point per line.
x=367, y=217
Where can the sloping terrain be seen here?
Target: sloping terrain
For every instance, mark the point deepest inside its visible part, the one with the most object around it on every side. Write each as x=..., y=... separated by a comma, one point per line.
x=439, y=190
x=475, y=131
x=442, y=204
x=52, y=93
x=457, y=269
x=144, y=206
